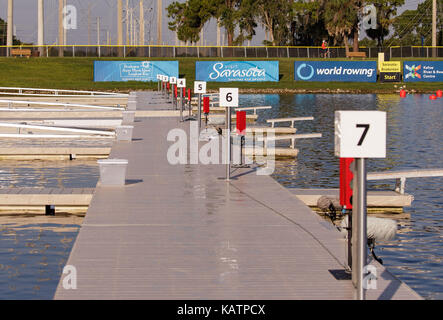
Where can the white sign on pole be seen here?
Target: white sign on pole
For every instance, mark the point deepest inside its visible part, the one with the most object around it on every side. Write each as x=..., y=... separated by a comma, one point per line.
x=200, y=87
x=159, y=76
x=166, y=79
x=173, y=80
x=229, y=97
x=360, y=134
x=181, y=83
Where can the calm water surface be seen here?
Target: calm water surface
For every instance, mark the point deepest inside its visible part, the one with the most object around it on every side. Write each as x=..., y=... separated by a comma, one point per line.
x=415, y=132
x=32, y=254
x=34, y=249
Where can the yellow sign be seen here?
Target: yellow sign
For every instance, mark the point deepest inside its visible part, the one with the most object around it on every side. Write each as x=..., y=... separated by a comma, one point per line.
x=381, y=59
x=390, y=66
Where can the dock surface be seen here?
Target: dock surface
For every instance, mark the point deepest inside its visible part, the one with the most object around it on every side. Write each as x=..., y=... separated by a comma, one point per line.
x=181, y=232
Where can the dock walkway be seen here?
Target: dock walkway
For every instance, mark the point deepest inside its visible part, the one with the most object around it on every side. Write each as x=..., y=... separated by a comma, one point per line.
x=180, y=232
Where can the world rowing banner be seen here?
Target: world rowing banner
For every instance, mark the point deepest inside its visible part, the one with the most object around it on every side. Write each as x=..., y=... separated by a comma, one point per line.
x=347, y=71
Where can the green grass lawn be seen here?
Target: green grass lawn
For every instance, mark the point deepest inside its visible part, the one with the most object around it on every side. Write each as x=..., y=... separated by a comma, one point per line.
x=77, y=74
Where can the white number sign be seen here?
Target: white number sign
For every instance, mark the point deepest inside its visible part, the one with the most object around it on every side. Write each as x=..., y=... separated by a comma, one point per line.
x=360, y=134
x=159, y=77
x=200, y=87
x=229, y=97
x=181, y=83
x=166, y=79
x=173, y=80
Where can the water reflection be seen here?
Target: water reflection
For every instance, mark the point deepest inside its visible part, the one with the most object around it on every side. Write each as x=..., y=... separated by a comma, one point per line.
x=49, y=174
x=33, y=252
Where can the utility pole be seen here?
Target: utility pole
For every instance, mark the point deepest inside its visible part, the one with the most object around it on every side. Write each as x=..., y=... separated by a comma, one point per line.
x=10, y=31
x=218, y=34
x=127, y=22
x=142, y=24
x=41, y=28
x=89, y=24
x=65, y=30
x=98, y=31
x=434, y=28
x=159, y=22
x=120, y=27
x=61, y=32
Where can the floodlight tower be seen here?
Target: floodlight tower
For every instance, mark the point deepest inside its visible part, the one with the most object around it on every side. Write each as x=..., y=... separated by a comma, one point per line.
x=41, y=27
x=159, y=22
x=10, y=31
x=142, y=23
x=61, y=32
x=120, y=27
x=434, y=28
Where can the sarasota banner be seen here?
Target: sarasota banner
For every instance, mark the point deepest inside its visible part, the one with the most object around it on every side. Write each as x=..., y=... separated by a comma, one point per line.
x=425, y=71
x=347, y=71
x=133, y=70
x=227, y=71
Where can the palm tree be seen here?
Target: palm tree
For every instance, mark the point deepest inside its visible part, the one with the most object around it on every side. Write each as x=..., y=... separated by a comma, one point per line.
x=340, y=19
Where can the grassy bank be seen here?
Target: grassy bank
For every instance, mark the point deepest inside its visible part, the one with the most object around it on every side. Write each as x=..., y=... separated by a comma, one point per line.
x=77, y=73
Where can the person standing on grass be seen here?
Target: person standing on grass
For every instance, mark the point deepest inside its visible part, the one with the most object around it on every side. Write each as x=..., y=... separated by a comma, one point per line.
x=324, y=47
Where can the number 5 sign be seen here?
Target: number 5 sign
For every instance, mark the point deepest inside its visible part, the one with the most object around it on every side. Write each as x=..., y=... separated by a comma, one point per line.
x=200, y=87
x=229, y=97
x=360, y=134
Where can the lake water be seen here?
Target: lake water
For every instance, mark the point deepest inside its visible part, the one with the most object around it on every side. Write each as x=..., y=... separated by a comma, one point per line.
x=34, y=248
x=414, y=140
x=32, y=254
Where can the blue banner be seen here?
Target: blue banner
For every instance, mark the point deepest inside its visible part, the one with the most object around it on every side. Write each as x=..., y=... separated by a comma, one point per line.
x=422, y=71
x=133, y=70
x=227, y=71
x=347, y=71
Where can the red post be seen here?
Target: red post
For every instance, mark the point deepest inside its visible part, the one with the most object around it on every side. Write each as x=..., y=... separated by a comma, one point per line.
x=167, y=86
x=206, y=104
x=175, y=89
x=241, y=123
x=189, y=94
x=346, y=177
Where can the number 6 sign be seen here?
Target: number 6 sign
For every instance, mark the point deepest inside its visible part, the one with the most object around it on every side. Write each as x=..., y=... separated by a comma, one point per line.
x=360, y=134
x=229, y=97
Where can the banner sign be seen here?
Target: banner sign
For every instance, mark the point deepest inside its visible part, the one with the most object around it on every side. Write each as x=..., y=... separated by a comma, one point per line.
x=133, y=70
x=227, y=71
x=390, y=66
x=348, y=71
x=390, y=76
x=422, y=71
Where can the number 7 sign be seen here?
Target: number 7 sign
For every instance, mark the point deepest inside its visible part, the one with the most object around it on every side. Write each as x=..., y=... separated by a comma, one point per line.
x=360, y=134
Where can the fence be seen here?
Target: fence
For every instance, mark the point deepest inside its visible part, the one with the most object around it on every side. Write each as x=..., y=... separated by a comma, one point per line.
x=153, y=51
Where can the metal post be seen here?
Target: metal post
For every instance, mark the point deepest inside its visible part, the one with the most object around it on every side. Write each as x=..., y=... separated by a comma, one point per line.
x=228, y=144
x=359, y=233
x=175, y=97
x=199, y=112
x=181, y=104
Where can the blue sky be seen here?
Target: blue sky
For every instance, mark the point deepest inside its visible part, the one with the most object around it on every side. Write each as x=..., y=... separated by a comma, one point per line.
x=25, y=21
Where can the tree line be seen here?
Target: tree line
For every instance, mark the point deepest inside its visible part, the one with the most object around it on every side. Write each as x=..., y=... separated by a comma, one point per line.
x=306, y=23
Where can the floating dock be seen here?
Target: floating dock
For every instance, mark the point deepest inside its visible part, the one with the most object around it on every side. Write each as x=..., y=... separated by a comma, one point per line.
x=376, y=200
x=183, y=232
